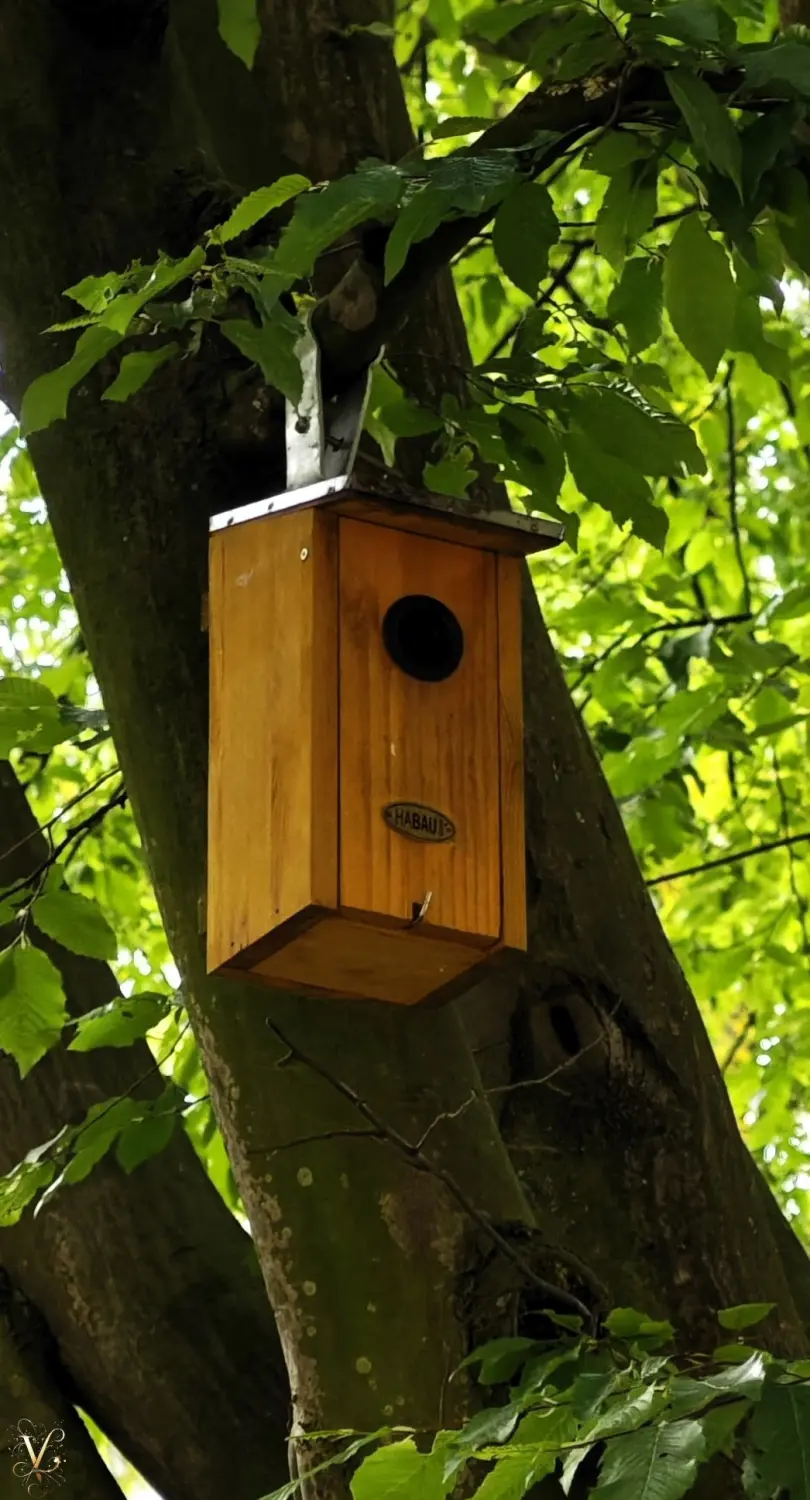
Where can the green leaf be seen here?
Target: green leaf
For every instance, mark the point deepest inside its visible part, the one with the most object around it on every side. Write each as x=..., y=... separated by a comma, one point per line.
x=398, y=1471
x=120, y=1023
x=622, y=423
x=76, y=923
x=32, y=1005
x=271, y=345
x=524, y=231
x=239, y=28
x=700, y=293
x=745, y=1315
x=30, y=716
x=499, y=1359
x=450, y=476
x=719, y=1425
x=690, y=1395
x=793, y=605
x=256, y=205
x=655, y=1463
x=322, y=216
x=618, y=488
x=629, y=1323
x=627, y=210
x=459, y=184
x=637, y=301
x=407, y=419
x=780, y=1436
x=784, y=65
x=709, y=122
x=135, y=369
x=535, y=454
x=513, y=1476
x=46, y=398
x=493, y=1425
x=164, y=275
x=460, y=125
x=144, y=1138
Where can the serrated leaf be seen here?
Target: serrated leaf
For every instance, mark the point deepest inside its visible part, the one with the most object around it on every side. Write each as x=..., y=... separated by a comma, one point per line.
x=20, y=1187
x=524, y=231
x=637, y=301
x=494, y=1425
x=709, y=122
x=271, y=345
x=256, y=205
x=627, y=210
x=700, y=293
x=655, y=1463
x=321, y=217
x=780, y=1436
x=623, y=424
x=745, y=1315
x=33, y=1009
x=239, y=28
x=120, y=1023
x=135, y=369
x=618, y=488
x=78, y=924
x=458, y=184
x=46, y=398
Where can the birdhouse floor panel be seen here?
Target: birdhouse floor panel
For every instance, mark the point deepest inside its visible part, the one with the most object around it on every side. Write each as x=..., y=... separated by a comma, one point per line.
x=353, y=960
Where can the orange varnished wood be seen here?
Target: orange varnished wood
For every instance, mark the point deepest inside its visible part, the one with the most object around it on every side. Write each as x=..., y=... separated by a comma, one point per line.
x=510, y=688
x=443, y=525
x=273, y=753
x=402, y=739
x=339, y=957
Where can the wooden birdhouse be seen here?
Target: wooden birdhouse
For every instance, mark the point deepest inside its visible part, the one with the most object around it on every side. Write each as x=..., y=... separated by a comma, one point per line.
x=366, y=831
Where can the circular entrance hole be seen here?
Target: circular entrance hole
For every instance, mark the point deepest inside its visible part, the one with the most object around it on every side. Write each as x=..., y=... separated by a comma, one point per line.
x=423, y=637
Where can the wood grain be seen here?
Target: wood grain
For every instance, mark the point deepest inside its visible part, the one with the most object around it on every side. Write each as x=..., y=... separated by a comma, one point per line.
x=344, y=959
x=512, y=792
x=429, y=742
x=273, y=748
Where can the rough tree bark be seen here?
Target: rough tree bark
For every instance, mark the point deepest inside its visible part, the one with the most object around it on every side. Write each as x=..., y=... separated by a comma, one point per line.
x=378, y=1276
x=150, y=1309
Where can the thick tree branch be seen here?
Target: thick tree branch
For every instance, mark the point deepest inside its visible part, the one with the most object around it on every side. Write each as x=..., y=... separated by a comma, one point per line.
x=161, y=1323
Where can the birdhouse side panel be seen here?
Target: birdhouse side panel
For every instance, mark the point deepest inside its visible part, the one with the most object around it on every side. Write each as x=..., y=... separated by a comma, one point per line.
x=273, y=750
x=512, y=788
x=419, y=771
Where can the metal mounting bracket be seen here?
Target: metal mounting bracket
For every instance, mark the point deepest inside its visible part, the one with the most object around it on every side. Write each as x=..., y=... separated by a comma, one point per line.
x=322, y=437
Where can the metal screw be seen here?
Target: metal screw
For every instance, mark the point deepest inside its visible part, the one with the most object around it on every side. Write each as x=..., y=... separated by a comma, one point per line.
x=304, y=553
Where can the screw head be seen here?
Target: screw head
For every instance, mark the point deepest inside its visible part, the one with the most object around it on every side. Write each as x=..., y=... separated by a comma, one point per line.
x=304, y=553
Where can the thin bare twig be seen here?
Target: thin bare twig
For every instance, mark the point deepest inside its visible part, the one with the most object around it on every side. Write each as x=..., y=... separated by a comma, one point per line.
x=422, y=1163
x=740, y=1038
x=731, y=430
x=730, y=859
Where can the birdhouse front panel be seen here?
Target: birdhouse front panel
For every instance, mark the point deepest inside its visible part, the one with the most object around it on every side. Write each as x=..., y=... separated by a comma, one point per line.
x=419, y=734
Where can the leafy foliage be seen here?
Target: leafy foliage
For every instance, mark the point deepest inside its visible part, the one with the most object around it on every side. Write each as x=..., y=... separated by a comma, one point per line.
x=620, y=1413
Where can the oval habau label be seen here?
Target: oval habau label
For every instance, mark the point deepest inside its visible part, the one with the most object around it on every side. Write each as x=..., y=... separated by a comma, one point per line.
x=416, y=821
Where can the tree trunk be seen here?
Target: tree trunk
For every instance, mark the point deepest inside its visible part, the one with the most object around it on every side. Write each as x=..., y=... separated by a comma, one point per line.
x=630, y=1155
x=157, y=1321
